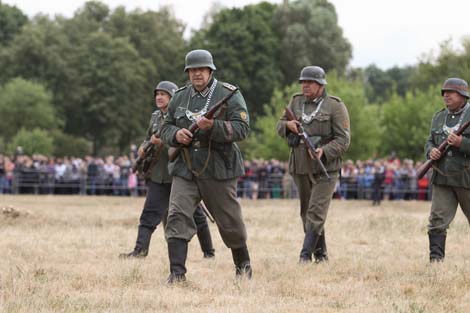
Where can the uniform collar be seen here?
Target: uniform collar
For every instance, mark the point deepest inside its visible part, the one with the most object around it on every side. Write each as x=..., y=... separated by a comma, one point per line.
x=204, y=92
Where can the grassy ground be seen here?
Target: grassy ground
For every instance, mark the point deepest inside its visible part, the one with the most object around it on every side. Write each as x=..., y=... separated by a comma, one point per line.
x=60, y=255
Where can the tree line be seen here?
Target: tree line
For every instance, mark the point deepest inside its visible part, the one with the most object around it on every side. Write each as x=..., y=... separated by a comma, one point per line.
x=84, y=84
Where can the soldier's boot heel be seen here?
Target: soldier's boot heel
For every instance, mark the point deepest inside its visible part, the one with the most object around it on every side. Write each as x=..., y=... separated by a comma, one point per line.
x=205, y=240
x=437, y=247
x=177, y=253
x=142, y=244
x=241, y=259
x=310, y=241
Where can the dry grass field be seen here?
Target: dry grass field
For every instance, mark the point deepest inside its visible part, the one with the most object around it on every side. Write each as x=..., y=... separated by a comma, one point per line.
x=60, y=255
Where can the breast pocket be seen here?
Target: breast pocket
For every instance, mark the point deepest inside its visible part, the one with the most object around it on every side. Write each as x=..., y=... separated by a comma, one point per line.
x=181, y=119
x=438, y=136
x=321, y=125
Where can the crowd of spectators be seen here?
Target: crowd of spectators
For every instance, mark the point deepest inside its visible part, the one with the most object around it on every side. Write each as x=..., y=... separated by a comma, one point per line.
x=389, y=179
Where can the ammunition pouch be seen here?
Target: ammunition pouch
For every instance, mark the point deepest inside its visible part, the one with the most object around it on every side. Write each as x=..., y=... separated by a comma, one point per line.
x=224, y=150
x=293, y=140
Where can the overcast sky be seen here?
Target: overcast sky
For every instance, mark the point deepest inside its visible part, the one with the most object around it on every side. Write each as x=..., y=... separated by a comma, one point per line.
x=387, y=33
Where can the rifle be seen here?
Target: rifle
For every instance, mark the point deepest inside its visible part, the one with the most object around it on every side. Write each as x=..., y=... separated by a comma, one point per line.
x=443, y=148
x=148, y=148
x=310, y=145
x=206, y=212
x=173, y=154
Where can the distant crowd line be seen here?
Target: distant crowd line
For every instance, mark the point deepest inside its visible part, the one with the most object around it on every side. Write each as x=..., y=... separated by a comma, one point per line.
x=388, y=179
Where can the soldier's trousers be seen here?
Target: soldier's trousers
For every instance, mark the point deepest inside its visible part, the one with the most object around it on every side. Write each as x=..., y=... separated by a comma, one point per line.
x=315, y=192
x=220, y=197
x=445, y=200
x=156, y=208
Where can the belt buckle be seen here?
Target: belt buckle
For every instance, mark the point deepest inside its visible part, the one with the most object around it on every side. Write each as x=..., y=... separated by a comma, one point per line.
x=197, y=144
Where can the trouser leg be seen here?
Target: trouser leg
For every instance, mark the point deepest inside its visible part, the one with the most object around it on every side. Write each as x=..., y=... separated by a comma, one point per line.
x=203, y=232
x=443, y=210
x=320, y=251
x=320, y=198
x=155, y=207
x=220, y=199
x=304, y=187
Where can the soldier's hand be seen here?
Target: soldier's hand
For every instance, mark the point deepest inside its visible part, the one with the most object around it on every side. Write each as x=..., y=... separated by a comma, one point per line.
x=454, y=140
x=293, y=126
x=204, y=123
x=318, y=152
x=140, y=152
x=155, y=140
x=435, y=154
x=184, y=136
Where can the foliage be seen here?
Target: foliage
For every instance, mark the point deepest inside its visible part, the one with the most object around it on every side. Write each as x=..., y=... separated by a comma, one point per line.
x=310, y=35
x=380, y=84
x=449, y=62
x=25, y=105
x=245, y=51
x=36, y=141
x=266, y=143
x=364, y=118
x=406, y=122
x=11, y=22
x=68, y=145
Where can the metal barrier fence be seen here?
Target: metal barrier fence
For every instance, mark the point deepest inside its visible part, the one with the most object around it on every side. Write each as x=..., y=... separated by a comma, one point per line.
x=273, y=186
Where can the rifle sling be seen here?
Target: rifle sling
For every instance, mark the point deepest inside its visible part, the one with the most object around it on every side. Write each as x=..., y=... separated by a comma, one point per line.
x=187, y=157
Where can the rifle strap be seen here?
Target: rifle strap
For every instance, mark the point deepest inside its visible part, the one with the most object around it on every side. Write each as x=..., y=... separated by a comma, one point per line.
x=187, y=156
x=187, y=160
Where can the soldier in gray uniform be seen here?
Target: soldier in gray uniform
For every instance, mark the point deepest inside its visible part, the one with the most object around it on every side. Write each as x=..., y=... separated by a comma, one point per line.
x=159, y=184
x=451, y=177
x=208, y=166
x=325, y=118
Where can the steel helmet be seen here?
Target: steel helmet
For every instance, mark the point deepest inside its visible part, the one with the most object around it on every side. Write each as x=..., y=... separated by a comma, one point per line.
x=314, y=73
x=167, y=87
x=456, y=84
x=199, y=58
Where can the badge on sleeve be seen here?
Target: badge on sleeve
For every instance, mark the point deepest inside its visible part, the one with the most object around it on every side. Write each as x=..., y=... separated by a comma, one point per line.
x=243, y=115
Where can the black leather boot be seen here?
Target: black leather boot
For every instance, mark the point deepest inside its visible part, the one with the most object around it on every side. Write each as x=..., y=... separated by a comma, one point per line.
x=320, y=252
x=241, y=259
x=437, y=247
x=142, y=244
x=310, y=241
x=205, y=240
x=177, y=252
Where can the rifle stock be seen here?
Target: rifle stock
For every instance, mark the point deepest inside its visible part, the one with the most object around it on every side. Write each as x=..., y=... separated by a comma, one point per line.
x=443, y=147
x=310, y=145
x=173, y=153
x=147, y=147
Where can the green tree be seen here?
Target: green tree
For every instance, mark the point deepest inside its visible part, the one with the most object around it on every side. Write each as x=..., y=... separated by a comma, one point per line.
x=67, y=145
x=406, y=121
x=266, y=143
x=449, y=62
x=12, y=20
x=364, y=117
x=109, y=107
x=245, y=51
x=310, y=35
x=157, y=37
x=25, y=105
x=33, y=142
